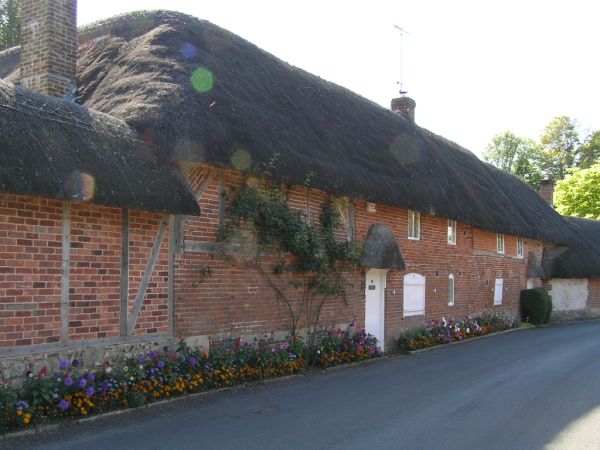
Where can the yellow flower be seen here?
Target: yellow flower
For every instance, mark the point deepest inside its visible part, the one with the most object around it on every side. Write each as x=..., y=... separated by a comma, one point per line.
x=19, y=413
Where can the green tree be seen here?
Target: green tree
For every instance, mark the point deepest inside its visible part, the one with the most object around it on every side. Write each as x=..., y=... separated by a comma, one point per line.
x=579, y=193
x=10, y=23
x=517, y=155
x=590, y=151
x=560, y=145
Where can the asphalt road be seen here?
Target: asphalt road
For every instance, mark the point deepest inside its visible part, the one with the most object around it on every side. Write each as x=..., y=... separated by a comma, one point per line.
x=529, y=389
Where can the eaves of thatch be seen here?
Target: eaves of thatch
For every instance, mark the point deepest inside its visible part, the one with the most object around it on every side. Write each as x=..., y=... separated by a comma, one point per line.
x=580, y=258
x=250, y=108
x=55, y=148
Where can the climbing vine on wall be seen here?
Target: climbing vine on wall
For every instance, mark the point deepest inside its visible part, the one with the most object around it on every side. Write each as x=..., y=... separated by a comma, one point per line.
x=318, y=259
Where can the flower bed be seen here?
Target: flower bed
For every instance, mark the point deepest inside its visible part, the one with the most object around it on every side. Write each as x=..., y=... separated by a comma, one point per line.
x=146, y=378
x=438, y=332
x=342, y=347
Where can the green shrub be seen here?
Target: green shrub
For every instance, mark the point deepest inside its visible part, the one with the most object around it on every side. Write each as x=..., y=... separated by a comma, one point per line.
x=548, y=307
x=534, y=305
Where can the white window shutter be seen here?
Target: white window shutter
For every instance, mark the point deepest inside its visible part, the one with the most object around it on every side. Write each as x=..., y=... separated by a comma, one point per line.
x=498, y=287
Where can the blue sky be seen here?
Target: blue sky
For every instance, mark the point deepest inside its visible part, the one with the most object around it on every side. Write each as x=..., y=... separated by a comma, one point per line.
x=475, y=68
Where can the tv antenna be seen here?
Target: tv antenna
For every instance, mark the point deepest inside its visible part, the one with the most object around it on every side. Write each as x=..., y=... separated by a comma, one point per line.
x=402, y=33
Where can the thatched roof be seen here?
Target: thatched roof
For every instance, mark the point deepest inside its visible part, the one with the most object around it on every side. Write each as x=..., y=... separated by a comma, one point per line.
x=581, y=257
x=249, y=106
x=534, y=267
x=380, y=249
x=59, y=149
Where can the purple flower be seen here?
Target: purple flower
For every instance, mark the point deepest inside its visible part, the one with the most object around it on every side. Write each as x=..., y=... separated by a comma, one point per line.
x=91, y=376
x=63, y=404
x=153, y=354
x=82, y=382
x=75, y=363
x=161, y=364
x=193, y=361
x=142, y=358
x=90, y=391
x=68, y=381
x=64, y=363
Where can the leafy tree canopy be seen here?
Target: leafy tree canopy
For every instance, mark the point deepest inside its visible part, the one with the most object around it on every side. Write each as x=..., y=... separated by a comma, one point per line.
x=517, y=155
x=560, y=149
x=589, y=152
x=579, y=193
x=10, y=23
x=561, y=143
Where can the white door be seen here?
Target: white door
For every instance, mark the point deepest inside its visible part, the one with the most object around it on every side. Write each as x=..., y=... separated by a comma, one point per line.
x=375, y=304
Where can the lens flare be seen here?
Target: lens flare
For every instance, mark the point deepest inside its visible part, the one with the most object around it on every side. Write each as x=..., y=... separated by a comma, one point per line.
x=241, y=159
x=188, y=51
x=80, y=186
x=202, y=80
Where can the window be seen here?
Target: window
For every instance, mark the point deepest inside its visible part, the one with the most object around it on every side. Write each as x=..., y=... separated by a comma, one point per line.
x=520, y=247
x=498, y=286
x=450, y=290
x=414, y=294
x=500, y=243
x=414, y=224
x=452, y=232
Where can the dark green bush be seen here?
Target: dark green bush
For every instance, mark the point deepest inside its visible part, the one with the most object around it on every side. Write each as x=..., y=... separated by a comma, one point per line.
x=534, y=306
x=548, y=307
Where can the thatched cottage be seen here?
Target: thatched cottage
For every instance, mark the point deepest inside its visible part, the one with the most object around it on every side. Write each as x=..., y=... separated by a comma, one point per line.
x=113, y=192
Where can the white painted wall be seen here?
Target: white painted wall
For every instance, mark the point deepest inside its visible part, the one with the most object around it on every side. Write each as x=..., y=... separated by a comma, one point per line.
x=568, y=294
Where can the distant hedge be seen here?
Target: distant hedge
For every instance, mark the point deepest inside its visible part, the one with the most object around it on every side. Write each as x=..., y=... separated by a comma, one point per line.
x=536, y=306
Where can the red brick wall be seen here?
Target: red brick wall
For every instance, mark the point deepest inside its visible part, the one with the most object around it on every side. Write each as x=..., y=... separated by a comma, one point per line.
x=30, y=270
x=217, y=292
x=594, y=294
x=237, y=299
x=95, y=272
x=143, y=228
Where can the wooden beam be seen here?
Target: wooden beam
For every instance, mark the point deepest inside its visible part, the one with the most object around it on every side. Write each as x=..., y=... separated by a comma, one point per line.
x=173, y=245
x=66, y=271
x=205, y=185
x=139, y=298
x=124, y=270
x=221, y=199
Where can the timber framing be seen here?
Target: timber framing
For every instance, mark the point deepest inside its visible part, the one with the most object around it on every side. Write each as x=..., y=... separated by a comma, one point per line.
x=139, y=298
x=65, y=272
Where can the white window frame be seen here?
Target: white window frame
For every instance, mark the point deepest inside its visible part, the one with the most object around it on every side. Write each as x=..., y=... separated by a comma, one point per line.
x=500, y=243
x=414, y=225
x=451, y=232
x=498, y=288
x=451, y=290
x=520, y=247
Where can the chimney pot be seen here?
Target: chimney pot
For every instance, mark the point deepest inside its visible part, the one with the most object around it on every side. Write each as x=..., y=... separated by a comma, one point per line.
x=404, y=106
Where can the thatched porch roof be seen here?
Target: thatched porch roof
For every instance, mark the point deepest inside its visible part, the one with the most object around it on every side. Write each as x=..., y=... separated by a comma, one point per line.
x=380, y=249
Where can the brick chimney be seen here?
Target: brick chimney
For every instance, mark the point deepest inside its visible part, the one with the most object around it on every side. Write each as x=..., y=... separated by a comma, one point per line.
x=405, y=106
x=546, y=191
x=49, y=46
